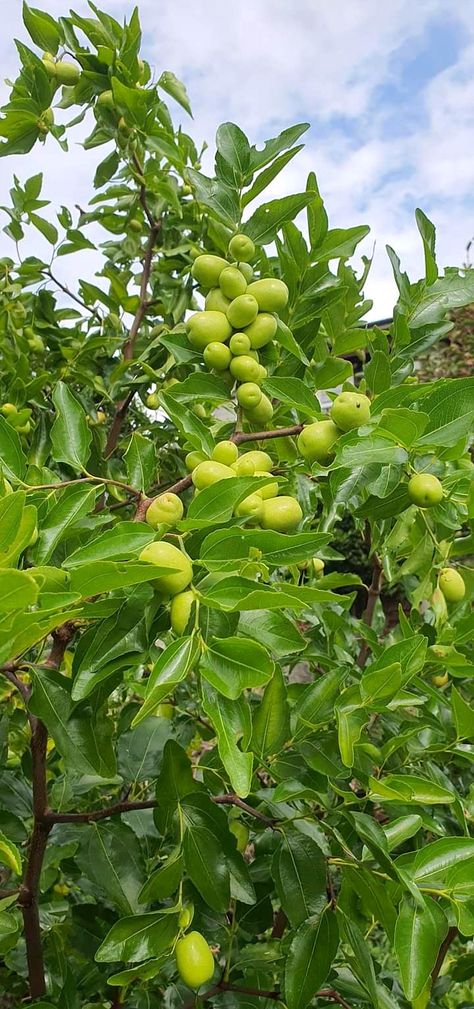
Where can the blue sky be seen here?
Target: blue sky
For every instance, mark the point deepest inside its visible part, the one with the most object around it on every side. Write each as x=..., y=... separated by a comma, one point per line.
x=387, y=88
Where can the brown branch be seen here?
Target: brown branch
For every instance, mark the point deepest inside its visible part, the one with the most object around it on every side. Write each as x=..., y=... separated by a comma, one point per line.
x=280, y=921
x=70, y=294
x=117, y=422
x=234, y=800
x=51, y=817
x=275, y=996
x=8, y=671
x=443, y=949
x=283, y=432
x=143, y=199
x=29, y=890
x=368, y=615
x=99, y=814
x=238, y=437
x=9, y=893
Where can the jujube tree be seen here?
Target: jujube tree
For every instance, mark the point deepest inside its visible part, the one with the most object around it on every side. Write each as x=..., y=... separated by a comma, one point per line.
x=217, y=774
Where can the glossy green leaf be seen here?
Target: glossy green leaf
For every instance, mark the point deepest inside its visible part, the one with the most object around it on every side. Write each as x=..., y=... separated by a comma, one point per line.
x=173, y=665
x=271, y=719
x=310, y=956
x=70, y=435
x=419, y=933
x=136, y=938
x=232, y=665
x=299, y=871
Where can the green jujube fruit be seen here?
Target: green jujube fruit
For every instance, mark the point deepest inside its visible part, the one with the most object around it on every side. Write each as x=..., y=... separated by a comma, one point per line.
x=242, y=248
x=66, y=73
x=232, y=282
x=207, y=269
x=245, y=269
x=452, y=585
x=425, y=490
x=216, y=301
x=245, y=369
x=194, y=960
x=180, y=611
x=261, y=460
x=263, y=412
x=167, y=508
x=210, y=472
x=281, y=514
x=270, y=293
x=217, y=356
x=315, y=443
x=242, y=311
x=225, y=452
x=193, y=459
x=350, y=410
x=165, y=555
x=251, y=507
x=239, y=344
x=208, y=327
x=249, y=395
x=106, y=100
x=262, y=330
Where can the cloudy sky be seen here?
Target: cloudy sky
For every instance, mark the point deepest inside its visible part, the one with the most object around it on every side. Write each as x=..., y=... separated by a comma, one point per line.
x=388, y=89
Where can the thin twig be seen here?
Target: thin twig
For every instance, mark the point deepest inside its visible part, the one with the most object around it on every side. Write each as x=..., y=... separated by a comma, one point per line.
x=8, y=671
x=8, y=893
x=443, y=949
x=238, y=437
x=224, y=986
x=368, y=615
x=70, y=294
x=52, y=817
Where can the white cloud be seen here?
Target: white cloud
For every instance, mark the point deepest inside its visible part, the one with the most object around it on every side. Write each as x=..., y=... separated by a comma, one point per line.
x=268, y=63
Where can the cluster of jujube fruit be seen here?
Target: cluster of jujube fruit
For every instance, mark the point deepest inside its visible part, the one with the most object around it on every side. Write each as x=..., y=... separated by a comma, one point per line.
x=239, y=320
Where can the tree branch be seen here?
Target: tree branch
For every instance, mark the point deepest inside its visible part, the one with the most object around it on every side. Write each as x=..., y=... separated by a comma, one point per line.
x=8, y=671
x=276, y=996
x=29, y=889
x=443, y=949
x=239, y=437
x=69, y=293
x=51, y=817
x=368, y=615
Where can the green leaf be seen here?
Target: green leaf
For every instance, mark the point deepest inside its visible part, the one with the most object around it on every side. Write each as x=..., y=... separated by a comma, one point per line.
x=164, y=881
x=9, y=854
x=231, y=721
x=234, y=148
x=428, y=234
x=45, y=228
x=140, y=460
x=85, y=743
x=70, y=435
x=331, y=373
x=12, y=457
x=274, y=630
x=309, y=959
x=295, y=392
x=206, y=867
x=232, y=665
x=285, y=338
x=110, y=857
x=174, y=87
x=271, y=719
x=238, y=594
x=173, y=665
x=122, y=542
x=450, y=407
x=371, y=449
x=314, y=706
x=463, y=714
x=299, y=872
x=139, y=937
x=405, y=425
x=217, y=503
x=72, y=504
x=434, y=861
x=408, y=788
x=271, y=148
x=266, y=177
x=377, y=372
x=225, y=549
x=42, y=29
x=175, y=779
x=419, y=933
x=361, y=962
x=341, y=243
x=431, y=304
x=268, y=220
x=106, y=169
x=19, y=590
x=91, y=579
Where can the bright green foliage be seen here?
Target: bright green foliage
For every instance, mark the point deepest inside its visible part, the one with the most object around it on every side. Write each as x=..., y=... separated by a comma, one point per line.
x=163, y=663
